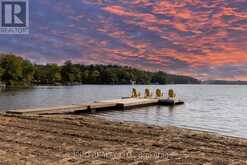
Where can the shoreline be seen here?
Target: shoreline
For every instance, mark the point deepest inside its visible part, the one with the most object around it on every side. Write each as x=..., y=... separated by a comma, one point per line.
x=87, y=139
x=173, y=126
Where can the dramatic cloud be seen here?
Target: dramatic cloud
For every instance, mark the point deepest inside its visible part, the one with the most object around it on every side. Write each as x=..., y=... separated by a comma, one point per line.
x=205, y=39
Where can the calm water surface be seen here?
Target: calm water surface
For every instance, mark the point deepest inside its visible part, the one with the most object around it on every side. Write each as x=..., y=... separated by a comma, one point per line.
x=215, y=108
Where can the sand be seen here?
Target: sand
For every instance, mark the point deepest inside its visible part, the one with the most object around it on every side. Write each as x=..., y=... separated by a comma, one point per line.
x=87, y=139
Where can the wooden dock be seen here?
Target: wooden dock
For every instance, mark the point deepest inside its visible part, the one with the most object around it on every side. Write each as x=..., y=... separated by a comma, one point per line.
x=51, y=110
x=118, y=104
x=129, y=103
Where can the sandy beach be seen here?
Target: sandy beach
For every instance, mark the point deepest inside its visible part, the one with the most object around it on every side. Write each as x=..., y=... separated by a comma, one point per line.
x=86, y=139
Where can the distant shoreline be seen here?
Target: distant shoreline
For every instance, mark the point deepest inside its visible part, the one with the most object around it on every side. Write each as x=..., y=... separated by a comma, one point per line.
x=17, y=72
x=64, y=85
x=223, y=82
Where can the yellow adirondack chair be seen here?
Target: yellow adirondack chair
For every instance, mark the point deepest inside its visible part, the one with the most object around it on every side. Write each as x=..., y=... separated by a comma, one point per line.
x=171, y=94
x=159, y=93
x=135, y=93
x=148, y=93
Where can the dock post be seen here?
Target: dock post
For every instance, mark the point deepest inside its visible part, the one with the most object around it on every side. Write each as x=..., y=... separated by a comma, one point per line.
x=93, y=111
x=120, y=106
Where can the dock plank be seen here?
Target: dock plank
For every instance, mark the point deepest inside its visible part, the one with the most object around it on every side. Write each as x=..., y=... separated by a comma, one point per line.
x=100, y=105
x=60, y=109
x=129, y=102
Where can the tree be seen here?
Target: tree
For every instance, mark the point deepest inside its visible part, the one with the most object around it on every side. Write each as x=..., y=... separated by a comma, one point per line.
x=53, y=73
x=1, y=72
x=28, y=71
x=159, y=78
x=13, y=69
x=110, y=76
x=76, y=71
x=71, y=73
x=67, y=75
x=94, y=77
x=40, y=74
x=84, y=76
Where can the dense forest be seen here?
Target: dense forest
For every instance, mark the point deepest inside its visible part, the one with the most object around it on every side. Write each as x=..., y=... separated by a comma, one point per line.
x=16, y=71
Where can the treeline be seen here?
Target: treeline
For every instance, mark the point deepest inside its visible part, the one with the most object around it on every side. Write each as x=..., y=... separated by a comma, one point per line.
x=224, y=82
x=16, y=71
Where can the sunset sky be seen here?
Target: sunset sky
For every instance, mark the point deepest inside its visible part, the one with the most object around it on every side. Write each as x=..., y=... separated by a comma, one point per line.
x=206, y=39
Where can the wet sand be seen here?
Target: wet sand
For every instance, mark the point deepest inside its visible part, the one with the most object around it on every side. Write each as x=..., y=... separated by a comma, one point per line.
x=86, y=139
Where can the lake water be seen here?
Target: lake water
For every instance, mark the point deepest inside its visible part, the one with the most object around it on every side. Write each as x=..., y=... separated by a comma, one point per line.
x=215, y=108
